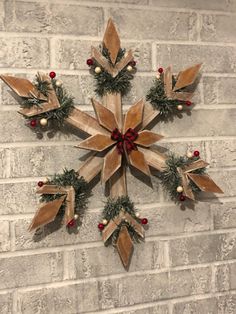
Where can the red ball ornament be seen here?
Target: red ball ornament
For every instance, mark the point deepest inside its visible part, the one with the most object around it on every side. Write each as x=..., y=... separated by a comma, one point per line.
x=160, y=70
x=182, y=198
x=188, y=103
x=52, y=74
x=144, y=221
x=132, y=63
x=71, y=223
x=100, y=226
x=196, y=153
x=33, y=123
x=40, y=184
x=89, y=62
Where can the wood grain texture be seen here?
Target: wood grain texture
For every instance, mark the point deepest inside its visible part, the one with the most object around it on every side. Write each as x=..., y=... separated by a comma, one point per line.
x=137, y=160
x=154, y=158
x=168, y=82
x=70, y=205
x=105, y=117
x=134, y=224
x=205, y=183
x=98, y=143
x=185, y=183
x=96, y=54
x=108, y=230
x=124, y=61
x=83, y=121
x=112, y=162
x=112, y=101
x=147, y=138
x=111, y=40
x=134, y=116
x=187, y=77
x=46, y=213
x=91, y=167
x=125, y=247
x=198, y=164
x=51, y=189
x=149, y=114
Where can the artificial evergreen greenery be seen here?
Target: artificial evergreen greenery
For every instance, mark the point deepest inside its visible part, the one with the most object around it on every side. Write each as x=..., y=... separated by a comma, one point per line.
x=170, y=177
x=70, y=178
x=112, y=209
x=158, y=99
x=105, y=83
x=57, y=115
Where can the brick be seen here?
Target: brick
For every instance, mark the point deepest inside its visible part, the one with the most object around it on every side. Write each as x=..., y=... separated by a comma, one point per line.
x=224, y=215
x=192, y=4
x=226, y=180
x=4, y=163
x=159, y=309
x=218, y=28
x=223, y=153
x=202, y=249
x=200, y=123
x=5, y=303
x=24, y=52
x=5, y=236
x=220, y=90
x=42, y=161
x=226, y=277
x=226, y=304
x=183, y=56
x=206, y=306
x=23, y=271
x=146, y=24
x=98, y=261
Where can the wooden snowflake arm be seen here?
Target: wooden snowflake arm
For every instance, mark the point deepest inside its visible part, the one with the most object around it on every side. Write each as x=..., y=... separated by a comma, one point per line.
x=97, y=142
x=112, y=162
x=149, y=114
x=187, y=77
x=70, y=205
x=205, y=183
x=124, y=61
x=147, y=138
x=182, y=96
x=91, y=168
x=198, y=164
x=185, y=183
x=134, y=116
x=111, y=40
x=105, y=117
x=84, y=122
x=125, y=246
x=154, y=158
x=137, y=160
x=103, y=61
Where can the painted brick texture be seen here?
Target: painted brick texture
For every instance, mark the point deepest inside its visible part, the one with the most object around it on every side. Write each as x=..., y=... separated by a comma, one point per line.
x=188, y=261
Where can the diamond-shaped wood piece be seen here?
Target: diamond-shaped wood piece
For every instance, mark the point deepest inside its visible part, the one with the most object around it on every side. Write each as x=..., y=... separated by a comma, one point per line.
x=111, y=40
x=125, y=246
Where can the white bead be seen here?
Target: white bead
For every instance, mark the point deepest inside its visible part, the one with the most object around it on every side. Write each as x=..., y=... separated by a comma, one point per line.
x=104, y=222
x=98, y=70
x=45, y=180
x=180, y=107
x=158, y=75
x=137, y=215
x=43, y=121
x=189, y=154
x=76, y=216
x=58, y=83
x=179, y=189
x=129, y=68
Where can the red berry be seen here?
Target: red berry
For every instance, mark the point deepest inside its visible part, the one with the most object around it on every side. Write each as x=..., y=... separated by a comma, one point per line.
x=182, y=198
x=71, y=223
x=40, y=184
x=52, y=74
x=144, y=221
x=196, y=153
x=33, y=123
x=160, y=70
x=100, y=226
x=188, y=103
x=89, y=62
x=132, y=63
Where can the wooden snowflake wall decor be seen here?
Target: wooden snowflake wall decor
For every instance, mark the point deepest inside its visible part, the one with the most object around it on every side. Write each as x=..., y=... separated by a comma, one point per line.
x=115, y=140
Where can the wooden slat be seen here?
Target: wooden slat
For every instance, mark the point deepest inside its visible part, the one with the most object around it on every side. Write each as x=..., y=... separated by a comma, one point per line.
x=105, y=117
x=113, y=103
x=182, y=96
x=81, y=120
x=124, y=61
x=22, y=87
x=108, y=231
x=185, y=183
x=137, y=160
x=134, y=116
x=91, y=167
x=51, y=189
x=97, y=142
x=205, y=183
x=117, y=183
x=111, y=40
x=154, y=158
x=112, y=162
x=125, y=246
x=46, y=213
x=149, y=114
x=187, y=77
x=70, y=205
x=168, y=82
x=133, y=223
x=198, y=164
x=103, y=61
x=147, y=138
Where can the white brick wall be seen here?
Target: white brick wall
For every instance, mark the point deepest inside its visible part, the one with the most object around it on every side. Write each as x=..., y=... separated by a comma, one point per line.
x=188, y=263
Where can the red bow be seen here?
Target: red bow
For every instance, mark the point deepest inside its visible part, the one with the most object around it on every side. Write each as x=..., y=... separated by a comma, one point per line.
x=124, y=141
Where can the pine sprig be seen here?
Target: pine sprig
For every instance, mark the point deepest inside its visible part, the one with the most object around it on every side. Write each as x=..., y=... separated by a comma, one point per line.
x=170, y=177
x=70, y=178
x=167, y=107
x=105, y=83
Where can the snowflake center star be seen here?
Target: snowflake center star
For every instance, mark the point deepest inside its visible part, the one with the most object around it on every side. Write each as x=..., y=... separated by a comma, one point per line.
x=124, y=142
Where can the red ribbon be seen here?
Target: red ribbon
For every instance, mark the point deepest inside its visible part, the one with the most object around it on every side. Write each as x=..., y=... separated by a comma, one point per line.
x=125, y=142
